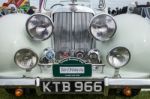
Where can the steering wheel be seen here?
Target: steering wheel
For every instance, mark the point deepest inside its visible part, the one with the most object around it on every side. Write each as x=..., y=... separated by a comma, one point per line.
x=58, y=4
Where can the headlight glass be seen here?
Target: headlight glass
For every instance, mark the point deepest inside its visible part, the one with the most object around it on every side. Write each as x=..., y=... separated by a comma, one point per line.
x=103, y=27
x=118, y=57
x=26, y=59
x=39, y=27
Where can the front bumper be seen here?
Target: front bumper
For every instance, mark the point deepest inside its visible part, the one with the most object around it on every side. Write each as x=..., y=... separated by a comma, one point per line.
x=108, y=83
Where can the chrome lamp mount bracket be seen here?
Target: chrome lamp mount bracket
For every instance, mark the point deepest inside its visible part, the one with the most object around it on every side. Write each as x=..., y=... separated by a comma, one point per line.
x=116, y=74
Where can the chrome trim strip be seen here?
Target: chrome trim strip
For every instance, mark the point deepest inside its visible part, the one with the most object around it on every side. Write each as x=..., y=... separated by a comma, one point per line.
x=120, y=83
x=17, y=82
x=72, y=30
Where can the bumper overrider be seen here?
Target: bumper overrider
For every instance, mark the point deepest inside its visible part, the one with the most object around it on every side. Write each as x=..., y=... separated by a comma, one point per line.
x=109, y=83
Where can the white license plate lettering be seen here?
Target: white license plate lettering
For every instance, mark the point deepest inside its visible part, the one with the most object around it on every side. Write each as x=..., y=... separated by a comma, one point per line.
x=56, y=86
x=72, y=86
x=88, y=86
x=78, y=86
x=98, y=86
x=66, y=87
x=45, y=87
x=72, y=70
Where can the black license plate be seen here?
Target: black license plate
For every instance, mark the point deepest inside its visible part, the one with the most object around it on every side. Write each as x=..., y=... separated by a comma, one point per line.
x=72, y=86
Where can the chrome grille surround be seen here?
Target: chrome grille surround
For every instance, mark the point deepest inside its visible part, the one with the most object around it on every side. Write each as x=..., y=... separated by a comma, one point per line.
x=71, y=31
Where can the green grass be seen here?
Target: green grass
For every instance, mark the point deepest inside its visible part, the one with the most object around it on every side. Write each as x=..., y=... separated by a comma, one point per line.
x=4, y=95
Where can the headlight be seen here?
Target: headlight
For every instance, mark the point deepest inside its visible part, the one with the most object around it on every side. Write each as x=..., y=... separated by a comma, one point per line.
x=103, y=27
x=118, y=57
x=26, y=59
x=39, y=27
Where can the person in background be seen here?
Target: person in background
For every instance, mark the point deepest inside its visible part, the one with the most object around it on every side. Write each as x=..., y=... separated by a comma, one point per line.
x=5, y=12
x=131, y=6
x=31, y=11
x=120, y=10
x=117, y=10
x=109, y=10
x=125, y=9
x=114, y=12
x=27, y=8
x=136, y=3
x=13, y=8
x=1, y=12
x=148, y=3
x=1, y=15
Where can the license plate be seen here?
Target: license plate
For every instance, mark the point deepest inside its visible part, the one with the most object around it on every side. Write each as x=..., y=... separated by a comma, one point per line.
x=72, y=70
x=72, y=67
x=72, y=86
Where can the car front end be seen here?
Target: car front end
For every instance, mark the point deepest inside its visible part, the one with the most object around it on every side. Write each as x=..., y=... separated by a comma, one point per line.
x=74, y=50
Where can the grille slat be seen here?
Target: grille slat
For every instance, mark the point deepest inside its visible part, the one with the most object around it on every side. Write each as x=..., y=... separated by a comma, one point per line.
x=71, y=31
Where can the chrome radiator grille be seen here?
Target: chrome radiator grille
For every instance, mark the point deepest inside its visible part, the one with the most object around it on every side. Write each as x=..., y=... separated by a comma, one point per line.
x=71, y=31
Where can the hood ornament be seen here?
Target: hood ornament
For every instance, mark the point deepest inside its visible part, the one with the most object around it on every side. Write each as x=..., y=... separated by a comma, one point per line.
x=73, y=6
x=73, y=1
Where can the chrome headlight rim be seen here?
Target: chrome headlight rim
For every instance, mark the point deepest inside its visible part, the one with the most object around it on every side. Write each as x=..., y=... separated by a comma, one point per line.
x=117, y=67
x=95, y=18
x=94, y=51
x=29, y=31
x=15, y=60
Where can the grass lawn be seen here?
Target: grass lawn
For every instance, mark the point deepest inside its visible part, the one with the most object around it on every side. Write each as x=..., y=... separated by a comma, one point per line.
x=4, y=95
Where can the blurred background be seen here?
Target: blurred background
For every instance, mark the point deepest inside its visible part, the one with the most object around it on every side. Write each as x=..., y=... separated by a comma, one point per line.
x=109, y=3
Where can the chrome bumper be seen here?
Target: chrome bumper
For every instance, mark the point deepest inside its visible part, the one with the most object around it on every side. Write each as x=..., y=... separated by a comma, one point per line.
x=108, y=83
x=123, y=82
x=119, y=83
x=15, y=82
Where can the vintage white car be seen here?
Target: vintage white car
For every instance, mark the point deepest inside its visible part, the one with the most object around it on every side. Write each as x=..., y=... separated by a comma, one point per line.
x=72, y=47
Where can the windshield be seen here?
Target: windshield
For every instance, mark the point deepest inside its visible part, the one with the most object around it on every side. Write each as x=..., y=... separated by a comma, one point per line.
x=50, y=3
